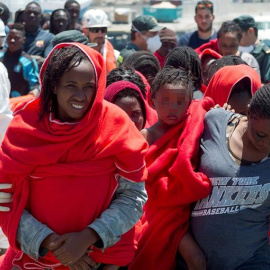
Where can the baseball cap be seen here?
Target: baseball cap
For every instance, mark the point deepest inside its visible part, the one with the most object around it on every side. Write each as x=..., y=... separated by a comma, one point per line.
x=71, y=36
x=245, y=22
x=168, y=35
x=2, y=29
x=146, y=23
x=95, y=18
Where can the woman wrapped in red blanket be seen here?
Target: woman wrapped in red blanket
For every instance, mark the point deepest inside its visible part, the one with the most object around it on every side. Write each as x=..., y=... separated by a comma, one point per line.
x=172, y=185
x=68, y=155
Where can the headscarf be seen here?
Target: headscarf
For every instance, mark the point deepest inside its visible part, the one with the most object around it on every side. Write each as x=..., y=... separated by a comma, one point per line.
x=223, y=81
x=113, y=89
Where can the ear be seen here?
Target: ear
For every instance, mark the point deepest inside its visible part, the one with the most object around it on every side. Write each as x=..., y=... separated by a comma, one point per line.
x=248, y=111
x=251, y=30
x=152, y=103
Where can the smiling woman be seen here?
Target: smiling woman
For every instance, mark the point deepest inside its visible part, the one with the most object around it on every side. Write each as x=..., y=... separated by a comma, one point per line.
x=77, y=155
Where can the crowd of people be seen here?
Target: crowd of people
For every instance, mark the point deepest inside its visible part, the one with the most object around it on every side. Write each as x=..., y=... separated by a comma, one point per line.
x=156, y=157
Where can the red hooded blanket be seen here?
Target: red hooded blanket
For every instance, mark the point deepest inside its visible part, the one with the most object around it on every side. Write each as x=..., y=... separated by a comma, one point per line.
x=223, y=81
x=48, y=162
x=112, y=90
x=172, y=185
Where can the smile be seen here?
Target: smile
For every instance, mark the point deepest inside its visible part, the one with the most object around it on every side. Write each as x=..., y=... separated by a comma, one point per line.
x=77, y=106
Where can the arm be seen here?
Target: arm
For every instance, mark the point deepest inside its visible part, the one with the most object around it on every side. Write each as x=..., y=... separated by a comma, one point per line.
x=122, y=214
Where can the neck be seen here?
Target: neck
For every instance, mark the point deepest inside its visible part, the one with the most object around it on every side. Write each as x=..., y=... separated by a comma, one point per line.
x=205, y=35
x=31, y=29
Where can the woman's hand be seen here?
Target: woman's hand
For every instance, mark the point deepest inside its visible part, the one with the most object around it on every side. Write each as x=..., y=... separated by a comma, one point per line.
x=226, y=107
x=70, y=248
x=85, y=263
x=5, y=197
x=47, y=242
x=110, y=267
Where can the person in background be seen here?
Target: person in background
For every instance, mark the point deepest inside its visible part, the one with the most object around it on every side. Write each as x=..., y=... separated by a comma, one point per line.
x=204, y=18
x=234, y=85
x=144, y=62
x=2, y=34
x=4, y=16
x=38, y=42
x=22, y=69
x=250, y=44
x=227, y=43
x=19, y=16
x=59, y=21
x=168, y=40
x=45, y=20
x=95, y=24
x=5, y=118
x=74, y=8
x=143, y=37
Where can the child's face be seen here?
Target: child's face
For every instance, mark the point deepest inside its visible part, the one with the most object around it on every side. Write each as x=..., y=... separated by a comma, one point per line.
x=171, y=103
x=76, y=92
x=133, y=109
x=228, y=43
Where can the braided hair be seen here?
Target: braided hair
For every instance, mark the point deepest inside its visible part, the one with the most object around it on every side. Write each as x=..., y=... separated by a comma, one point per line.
x=61, y=60
x=144, y=62
x=173, y=76
x=186, y=58
x=260, y=103
x=126, y=74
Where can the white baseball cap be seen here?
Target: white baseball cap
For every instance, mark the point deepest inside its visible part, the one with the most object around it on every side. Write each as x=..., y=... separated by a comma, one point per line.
x=2, y=29
x=95, y=18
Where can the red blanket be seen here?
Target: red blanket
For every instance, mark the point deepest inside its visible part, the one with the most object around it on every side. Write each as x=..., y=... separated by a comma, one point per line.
x=212, y=44
x=172, y=185
x=49, y=162
x=223, y=81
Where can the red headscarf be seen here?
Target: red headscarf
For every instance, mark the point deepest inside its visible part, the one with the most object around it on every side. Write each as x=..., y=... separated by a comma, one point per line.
x=112, y=90
x=223, y=81
x=48, y=162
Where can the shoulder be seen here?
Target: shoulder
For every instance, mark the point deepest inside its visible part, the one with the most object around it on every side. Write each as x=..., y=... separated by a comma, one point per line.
x=184, y=39
x=45, y=35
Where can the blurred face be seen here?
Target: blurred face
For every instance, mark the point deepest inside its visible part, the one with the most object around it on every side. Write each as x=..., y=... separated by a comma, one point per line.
x=171, y=103
x=248, y=37
x=258, y=131
x=228, y=43
x=133, y=109
x=204, y=19
x=32, y=16
x=96, y=35
x=74, y=11
x=166, y=47
x=15, y=40
x=60, y=22
x=76, y=92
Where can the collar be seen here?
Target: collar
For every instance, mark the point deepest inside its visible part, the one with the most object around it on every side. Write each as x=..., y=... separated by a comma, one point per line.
x=33, y=33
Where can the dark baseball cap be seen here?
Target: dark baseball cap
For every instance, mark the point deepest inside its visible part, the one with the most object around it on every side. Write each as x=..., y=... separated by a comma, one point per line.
x=71, y=36
x=146, y=23
x=245, y=22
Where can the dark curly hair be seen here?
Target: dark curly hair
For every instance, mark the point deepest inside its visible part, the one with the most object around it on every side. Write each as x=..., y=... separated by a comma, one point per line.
x=230, y=27
x=174, y=76
x=126, y=74
x=260, y=103
x=62, y=59
x=186, y=58
x=144, y=62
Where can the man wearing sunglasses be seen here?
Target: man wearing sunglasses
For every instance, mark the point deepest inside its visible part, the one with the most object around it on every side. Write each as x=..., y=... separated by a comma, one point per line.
x=204, y=18
x=95, y=23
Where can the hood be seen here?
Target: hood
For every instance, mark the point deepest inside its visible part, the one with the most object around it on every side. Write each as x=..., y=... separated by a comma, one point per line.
x=221, y=84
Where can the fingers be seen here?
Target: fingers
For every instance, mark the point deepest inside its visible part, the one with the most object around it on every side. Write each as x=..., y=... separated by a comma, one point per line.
x=110, y=267
x=5, y=186
x=56, y=244
x=89, y=261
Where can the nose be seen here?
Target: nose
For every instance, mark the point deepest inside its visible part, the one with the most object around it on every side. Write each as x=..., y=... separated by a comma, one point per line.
x=32, y=14
x=79, y=95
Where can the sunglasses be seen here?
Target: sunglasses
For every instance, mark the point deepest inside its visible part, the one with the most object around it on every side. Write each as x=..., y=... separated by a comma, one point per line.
x=97, y=29
x=204, y=4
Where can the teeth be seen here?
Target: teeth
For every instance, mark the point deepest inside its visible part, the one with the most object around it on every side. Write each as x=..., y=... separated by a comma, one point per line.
x=77, y=106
